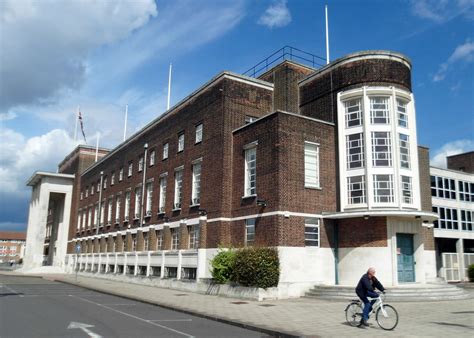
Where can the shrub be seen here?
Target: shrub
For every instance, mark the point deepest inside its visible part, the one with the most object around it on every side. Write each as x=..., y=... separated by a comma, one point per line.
x=222, y=266
x=470, y=272
x=257, y=267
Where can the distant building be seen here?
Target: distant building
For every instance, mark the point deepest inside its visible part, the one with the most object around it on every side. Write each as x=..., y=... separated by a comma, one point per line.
x=452, y=192
x=322, y=164
x=12, y=246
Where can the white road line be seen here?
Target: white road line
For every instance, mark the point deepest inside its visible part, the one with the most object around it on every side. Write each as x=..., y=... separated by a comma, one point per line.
x=113, y=304
x=13, y=291
x=133, y=316
x=170, y=320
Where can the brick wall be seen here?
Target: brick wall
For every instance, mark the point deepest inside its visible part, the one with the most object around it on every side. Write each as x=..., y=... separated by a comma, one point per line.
x=360, y=232
x=425, y=180
x=462, y=162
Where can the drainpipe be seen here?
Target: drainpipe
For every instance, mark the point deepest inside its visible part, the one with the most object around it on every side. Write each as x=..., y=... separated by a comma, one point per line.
x=100, y=202
x=336, y=253
x=143, y=185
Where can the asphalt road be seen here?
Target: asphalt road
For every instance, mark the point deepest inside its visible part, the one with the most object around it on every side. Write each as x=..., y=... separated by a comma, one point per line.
x=34, y=307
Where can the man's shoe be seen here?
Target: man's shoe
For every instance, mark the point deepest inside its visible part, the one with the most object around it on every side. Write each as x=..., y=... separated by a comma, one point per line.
x=363, y=323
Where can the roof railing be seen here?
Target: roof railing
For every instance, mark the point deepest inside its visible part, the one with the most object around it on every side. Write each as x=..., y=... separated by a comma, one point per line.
x=285, y=53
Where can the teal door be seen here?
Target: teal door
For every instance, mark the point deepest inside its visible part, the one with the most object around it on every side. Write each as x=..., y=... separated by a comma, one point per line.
x=405, y=259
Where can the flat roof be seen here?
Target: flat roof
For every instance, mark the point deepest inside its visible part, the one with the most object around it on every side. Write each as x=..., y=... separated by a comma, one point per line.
x=38, y=175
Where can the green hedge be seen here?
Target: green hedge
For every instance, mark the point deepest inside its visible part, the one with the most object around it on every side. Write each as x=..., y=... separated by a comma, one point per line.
x=256, y=267
x=470, y=272
x=222, y=266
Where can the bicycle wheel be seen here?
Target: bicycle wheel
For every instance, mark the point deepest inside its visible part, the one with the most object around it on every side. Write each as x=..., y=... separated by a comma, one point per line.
x=354, y=313
x=387, y=318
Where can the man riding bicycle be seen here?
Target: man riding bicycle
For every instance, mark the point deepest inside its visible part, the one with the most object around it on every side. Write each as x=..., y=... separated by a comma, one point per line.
x=365, y=289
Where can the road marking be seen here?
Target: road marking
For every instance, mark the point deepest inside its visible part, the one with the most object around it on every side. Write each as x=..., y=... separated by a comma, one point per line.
x=13, y=291
x=84, y=327
x=119, y=304
x=170, y=320
x=133, y=316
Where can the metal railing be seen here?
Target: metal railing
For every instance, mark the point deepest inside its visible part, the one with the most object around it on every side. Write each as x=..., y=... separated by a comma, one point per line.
x=286, y=53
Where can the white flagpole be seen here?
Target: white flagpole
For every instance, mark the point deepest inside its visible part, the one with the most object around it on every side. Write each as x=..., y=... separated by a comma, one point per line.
x=77, y=121
x=97, y=147
x=327, y=36
x=125, y=126
x=169, y=88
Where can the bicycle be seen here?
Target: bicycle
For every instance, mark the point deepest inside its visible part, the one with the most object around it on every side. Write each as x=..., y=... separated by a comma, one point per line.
x=385, y=315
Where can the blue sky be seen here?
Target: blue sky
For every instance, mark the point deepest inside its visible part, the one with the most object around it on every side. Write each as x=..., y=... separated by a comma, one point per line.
x=102, y=55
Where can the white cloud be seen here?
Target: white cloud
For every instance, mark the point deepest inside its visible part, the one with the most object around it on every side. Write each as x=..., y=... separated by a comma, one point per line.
x=462, y=53
x=438, y=159
x=45, y=44
x=277, y=15
x=440, y=11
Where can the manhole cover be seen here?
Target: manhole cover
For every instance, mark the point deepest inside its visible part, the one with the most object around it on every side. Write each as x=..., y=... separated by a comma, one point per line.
x=238, y=303
x=266, y=305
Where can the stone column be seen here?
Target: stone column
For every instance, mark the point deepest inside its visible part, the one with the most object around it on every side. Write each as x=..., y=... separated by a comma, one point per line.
x=128, y=242
x=166, y=238
x=103, y=244
x=202, y=232
x=183, y=236
x=152, y=239
x=460, y=252
x=140, y=241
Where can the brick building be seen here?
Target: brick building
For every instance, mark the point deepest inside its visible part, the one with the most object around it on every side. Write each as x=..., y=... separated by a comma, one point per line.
x=321, y=163
x=452, y=192
x=12, y=246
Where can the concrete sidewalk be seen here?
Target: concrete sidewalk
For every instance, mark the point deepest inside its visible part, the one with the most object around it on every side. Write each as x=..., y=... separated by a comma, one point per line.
x=295, y=317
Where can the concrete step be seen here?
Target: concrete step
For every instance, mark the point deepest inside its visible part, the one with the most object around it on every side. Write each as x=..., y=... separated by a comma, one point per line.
x=411, y=293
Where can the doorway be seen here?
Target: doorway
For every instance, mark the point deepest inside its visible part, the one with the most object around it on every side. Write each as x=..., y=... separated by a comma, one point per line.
x=405, y=258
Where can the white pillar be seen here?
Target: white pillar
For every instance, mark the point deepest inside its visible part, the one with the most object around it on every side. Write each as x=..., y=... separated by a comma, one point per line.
x=460, y=252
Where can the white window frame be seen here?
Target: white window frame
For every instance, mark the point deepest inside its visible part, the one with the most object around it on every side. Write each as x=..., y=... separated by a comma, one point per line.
x=112, y=178
x=180, y=142
x=149, y=198
x=380, y=185
x=140, y=163
x=199, y=133
x=250, y=182
x=127, y=205
x=102, y=213
x=96, y=214
x=121, y=174
x=196, y=187
x=163, y=186
x=138, y=202
x=159, y=240
x=311, y=165
x=448, y=218
x=250, y=231
x=130, y=169
x=193, y=236
x=105, y=182
x=381, y=149
x=379, y=115
x=89, y=218
x=165, y=151
x=109, y=211
x=118, y=202
x=146, y=241
x=407, y=189
x=178, y=189
x=402, y=115
x=353, y=112
x=152, y=157
x=355, y=159
x=309, y=225
x=353, y=187
x=175, y=239
x=404, y=144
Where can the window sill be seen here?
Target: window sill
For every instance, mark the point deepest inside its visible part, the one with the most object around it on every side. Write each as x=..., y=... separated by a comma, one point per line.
x=177, y=209
x=161, y=213
x=313, y=187
x=180, y=151
x=194, y=205
x=164, y=159
x=249, y=196
x=199, y=142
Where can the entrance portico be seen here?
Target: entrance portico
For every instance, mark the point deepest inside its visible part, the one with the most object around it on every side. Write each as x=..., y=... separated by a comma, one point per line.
x=50, y=191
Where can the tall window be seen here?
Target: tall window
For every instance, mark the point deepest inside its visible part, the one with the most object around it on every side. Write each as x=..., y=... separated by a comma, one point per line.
x=180, y=142
x=118, y=201
x=196, y=195
x=383, y=189
x=448, y=218
x=193, y=236
x=467, y=218
x=175, y=239
x=356, y=189
x=92, y=189
x=162, y=194
x=121, y=174
x=402, y=113
x=311, y=165
x=407, y=191
x=140, y=163
x=178, y=188
x=381, y=149
x=379, y=110
x=105, y=182
x=87, y=192
x=198, y=133
x=79, y=216
x=82, y=195
x=138, y=202
x=251, y=171
x=127, y=205
x=130, y=169
x=112, y=178
x=102, y=213
x=84, y=216
x=89, y=218
x=355, y=151
x=152, y=158
x=159, y=240
x=146, y=242
x=249, y=231
x=96, y=214
x=404, y=151
x=109, y=211
x=149, y=198
x=353, y=112
x=165, y=151
x=311, y=232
